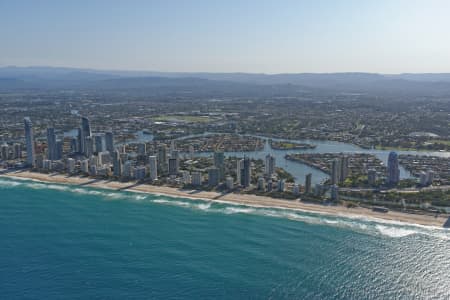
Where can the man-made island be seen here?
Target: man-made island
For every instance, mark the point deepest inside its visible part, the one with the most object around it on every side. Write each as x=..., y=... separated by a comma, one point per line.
x=283, y=145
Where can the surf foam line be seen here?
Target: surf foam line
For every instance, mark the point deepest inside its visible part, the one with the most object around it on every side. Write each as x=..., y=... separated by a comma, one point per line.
x=389, y=229
x=366, y=224
x=96, y=191
x=332, y=216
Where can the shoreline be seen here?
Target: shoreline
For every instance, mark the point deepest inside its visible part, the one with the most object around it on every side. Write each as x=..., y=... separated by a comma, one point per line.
x=236, y=199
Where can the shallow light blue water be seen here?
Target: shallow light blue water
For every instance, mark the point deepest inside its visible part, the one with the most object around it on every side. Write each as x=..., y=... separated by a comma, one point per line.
x=60, y=241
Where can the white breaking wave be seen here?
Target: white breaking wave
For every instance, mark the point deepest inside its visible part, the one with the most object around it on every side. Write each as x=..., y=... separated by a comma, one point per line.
x=140, y=197
x=204, y=206
x=238, y=210
x=8, y=183
x=173, y=202
x=395, y=232
x=392, y=229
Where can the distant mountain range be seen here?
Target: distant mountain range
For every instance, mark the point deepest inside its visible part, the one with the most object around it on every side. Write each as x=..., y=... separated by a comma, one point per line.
x=30, y=78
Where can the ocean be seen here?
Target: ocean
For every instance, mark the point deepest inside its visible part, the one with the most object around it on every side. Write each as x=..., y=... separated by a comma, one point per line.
x=66, y=242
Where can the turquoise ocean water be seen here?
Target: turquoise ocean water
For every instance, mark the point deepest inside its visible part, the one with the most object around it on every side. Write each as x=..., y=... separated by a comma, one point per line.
x=60, y=241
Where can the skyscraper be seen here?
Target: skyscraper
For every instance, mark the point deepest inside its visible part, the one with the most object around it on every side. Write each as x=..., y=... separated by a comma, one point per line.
x=219, y=163
x=109, y=141
x=85, y=132
x=343, y=169
x=153, y=167
x=162, y=159
x=270, y=165
x=393, y=169
x=334, y=171
x=51, y=143
x=59, y=149
x=29, y=141
x=246, y=172
x=173, y=166
x=80, y=144
x=196, y=178
x=308, y=183
x=5, y=151
x=88, y=146
x=98, y=143
x=213, y=176
x=117, y=164
x=239, y=167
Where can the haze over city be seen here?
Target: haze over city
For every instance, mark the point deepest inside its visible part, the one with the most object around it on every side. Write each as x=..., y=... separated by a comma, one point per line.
x=252, y=36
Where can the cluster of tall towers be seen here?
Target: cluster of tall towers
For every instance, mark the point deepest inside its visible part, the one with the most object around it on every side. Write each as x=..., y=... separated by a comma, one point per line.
x=339, y=170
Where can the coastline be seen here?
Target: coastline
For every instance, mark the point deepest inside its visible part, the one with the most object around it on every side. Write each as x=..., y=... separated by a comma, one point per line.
x=232, y=198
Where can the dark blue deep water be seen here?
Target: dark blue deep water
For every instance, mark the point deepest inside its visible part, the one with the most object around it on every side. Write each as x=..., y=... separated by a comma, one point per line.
x=61, y=241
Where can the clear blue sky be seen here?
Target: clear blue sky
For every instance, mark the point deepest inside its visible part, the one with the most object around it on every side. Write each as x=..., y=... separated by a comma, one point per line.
x=385, y=36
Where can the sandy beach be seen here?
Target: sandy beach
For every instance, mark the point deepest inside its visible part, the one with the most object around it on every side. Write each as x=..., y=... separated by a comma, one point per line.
x=239, y=199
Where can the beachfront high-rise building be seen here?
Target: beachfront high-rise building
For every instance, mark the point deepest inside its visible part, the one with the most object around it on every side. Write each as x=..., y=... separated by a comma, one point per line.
x=261, y=184
x=117, y=163
x=140, y=172
x=59, y=149
x=29, y=141
x=186, y=177
x=153, y=164
x=219, y=163
x=71, y=165
x=51, y=144
x=334, y=171
x=239, y=167
x=84, y=166
x=334, y=192
x=281, y=185
x=213, y=176
x=393, y=170
x=229, y=182
x=343, y=169
x=85, y=131
x=17, y=150
x=109, y=141
x=162, y=159
x=308, y=178
x=246, y=173
x=173, y=166
x=269, y=167
x=196, y=178
x=127, y=169
x=5, y=151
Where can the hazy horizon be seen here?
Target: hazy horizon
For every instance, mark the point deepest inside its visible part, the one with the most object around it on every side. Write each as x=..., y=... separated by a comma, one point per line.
x=212, y=72
x=385, y=37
